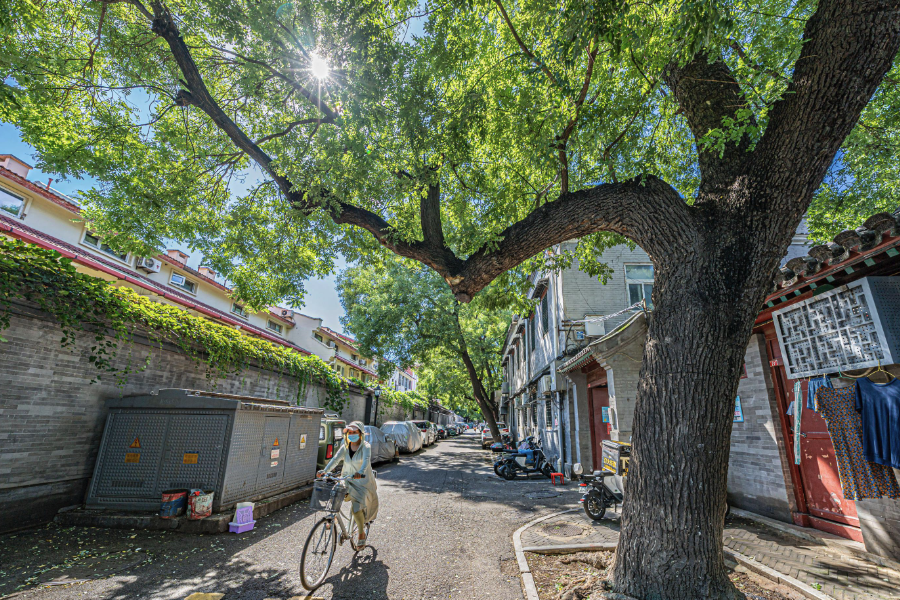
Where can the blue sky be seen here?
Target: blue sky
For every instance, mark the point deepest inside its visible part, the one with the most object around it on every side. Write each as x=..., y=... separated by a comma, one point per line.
x=321, y=297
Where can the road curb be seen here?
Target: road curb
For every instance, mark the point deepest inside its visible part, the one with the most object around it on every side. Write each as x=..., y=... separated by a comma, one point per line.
x=524, y=570
x=747, y=562
x=751, y=564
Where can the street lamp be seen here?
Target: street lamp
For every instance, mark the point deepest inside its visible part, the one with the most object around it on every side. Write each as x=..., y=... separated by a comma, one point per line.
x=377, y=393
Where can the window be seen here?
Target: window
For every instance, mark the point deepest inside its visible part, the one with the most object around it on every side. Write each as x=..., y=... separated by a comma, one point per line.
x=319, y=338
x=548, y=407
x=94, y=242
x=639, y=279
x=339, y=369
x=11, y=203
x=180, y=281
x=362, y=362
x=531, y=325
x=239, y=310
x=354, y=358
x=321, y=432
x=545, y=313
x=274, y=326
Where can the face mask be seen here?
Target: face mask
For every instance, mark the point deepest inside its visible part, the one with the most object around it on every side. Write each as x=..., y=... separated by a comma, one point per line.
x=353, y=437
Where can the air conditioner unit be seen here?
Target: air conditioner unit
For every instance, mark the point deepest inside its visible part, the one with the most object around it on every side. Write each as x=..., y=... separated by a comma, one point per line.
x=594, y=328
x=150, y=265
x=287, y=313
x=330, y=343
x=546, y=384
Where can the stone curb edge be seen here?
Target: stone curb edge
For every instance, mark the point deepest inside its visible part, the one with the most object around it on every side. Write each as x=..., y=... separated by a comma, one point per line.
x=745, y=561
x=832, y=542
x=771, y=574
x=524, y=570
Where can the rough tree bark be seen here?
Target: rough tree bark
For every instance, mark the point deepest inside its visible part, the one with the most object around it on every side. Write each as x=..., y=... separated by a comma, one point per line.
x=710, y=282
x=714, y=263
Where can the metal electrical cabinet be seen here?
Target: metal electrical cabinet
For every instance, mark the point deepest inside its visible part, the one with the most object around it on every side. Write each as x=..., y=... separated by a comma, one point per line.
x=242, y=448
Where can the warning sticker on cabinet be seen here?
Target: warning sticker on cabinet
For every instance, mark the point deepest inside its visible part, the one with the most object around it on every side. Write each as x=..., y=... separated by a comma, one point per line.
x=274, y=463
x=276, y=453
x=302, y=441
x=132, y=457
x=136, y=443
x=190, y=458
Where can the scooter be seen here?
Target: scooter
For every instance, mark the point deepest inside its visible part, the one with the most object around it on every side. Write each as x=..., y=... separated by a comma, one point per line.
x=605, y=488
x=528, y=459
x=601, y=492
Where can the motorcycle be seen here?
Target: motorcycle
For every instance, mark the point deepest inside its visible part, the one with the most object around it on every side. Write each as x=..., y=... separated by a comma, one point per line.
x=528, y=459
x=605, y=488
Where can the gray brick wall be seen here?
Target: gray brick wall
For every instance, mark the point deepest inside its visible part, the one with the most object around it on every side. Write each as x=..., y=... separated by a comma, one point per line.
x=758, y=473
x=51, y=417
x=586, y=295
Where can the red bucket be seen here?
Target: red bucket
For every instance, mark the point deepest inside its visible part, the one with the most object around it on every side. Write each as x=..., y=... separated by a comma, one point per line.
x=173, y=503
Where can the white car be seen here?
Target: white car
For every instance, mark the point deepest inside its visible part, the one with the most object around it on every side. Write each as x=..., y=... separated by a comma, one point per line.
x=487, y=439
x=429, y=434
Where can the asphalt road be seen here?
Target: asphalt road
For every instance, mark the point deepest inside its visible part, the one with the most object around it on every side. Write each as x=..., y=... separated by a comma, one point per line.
x=444, y=530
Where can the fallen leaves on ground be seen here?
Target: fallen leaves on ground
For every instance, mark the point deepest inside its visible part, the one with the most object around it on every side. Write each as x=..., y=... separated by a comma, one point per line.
x=581, y=576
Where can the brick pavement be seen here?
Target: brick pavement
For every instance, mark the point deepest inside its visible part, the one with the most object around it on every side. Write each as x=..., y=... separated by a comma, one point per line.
x=838, y=574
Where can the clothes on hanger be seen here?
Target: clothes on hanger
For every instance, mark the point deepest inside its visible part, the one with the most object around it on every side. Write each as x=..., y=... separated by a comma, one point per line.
x=798, y=414
x=879, y=407
x=859, y=477
x=812, y=386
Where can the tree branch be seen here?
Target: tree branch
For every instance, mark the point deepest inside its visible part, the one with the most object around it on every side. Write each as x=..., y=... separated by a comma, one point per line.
x=708, y=93
x=539, y=63
x=430, y=216
x=643, y=209
x=848, y=48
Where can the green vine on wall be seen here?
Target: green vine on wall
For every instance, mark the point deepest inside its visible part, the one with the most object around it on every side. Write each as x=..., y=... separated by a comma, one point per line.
x=115, y=315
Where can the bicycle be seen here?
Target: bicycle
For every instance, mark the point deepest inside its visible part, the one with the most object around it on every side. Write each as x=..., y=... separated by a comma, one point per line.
x=318, y=551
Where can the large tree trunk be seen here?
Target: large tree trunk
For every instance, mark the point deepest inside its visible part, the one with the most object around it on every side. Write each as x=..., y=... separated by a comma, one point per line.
x=488, y=408
x=706, y=296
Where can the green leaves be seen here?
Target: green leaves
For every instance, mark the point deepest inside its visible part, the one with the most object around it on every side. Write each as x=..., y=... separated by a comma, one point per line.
x=493, y=101
x=406, y=314
x=84, y=304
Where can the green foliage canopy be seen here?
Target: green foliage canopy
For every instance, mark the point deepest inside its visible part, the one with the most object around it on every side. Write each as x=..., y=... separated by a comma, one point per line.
x=500, y=107
x=405, y=313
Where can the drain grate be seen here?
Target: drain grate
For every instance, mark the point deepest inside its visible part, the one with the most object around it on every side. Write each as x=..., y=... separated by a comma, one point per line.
x=563, y=529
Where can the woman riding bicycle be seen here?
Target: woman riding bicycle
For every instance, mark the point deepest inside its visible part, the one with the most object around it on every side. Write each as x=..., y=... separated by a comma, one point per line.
x=356, y=454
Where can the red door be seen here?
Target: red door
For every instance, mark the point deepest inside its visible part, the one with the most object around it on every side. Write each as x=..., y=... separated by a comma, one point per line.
x=826, y=506
x=599, y=429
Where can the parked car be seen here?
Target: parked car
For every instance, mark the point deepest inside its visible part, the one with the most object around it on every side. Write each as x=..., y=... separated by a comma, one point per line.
x=384, y=448
x=406, y=435
x=428, y=433
x=442, y=432
x=331, y=435
x=487, y=439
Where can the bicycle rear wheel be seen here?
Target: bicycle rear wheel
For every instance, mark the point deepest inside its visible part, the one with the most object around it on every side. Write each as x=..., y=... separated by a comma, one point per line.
x=318, y=552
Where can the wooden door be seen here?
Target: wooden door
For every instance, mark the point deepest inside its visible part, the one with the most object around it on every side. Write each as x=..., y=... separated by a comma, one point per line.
x=599, y=398
x=823, y=495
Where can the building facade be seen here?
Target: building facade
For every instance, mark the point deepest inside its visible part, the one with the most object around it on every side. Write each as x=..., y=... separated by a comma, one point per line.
x=572, y=309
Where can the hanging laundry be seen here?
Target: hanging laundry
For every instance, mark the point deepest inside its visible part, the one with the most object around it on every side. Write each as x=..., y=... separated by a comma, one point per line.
x=859, y=477
x=812, y=386
x=879, y=406
x=798, y=413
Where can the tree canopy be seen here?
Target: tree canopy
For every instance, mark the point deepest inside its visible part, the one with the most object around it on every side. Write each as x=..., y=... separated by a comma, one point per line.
x=402, y=311
x=204, y=122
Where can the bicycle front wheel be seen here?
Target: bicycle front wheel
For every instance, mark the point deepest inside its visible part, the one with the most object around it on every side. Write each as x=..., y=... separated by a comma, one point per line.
x=318, y=552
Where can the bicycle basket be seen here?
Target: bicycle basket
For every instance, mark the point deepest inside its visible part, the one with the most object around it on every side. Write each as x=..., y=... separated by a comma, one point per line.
x=327, y=495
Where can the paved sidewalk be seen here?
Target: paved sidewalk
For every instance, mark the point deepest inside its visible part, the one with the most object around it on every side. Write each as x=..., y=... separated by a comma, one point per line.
x=823, y=569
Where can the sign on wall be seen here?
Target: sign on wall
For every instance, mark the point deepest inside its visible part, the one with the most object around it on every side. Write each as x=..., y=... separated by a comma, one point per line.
x=738, y=411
